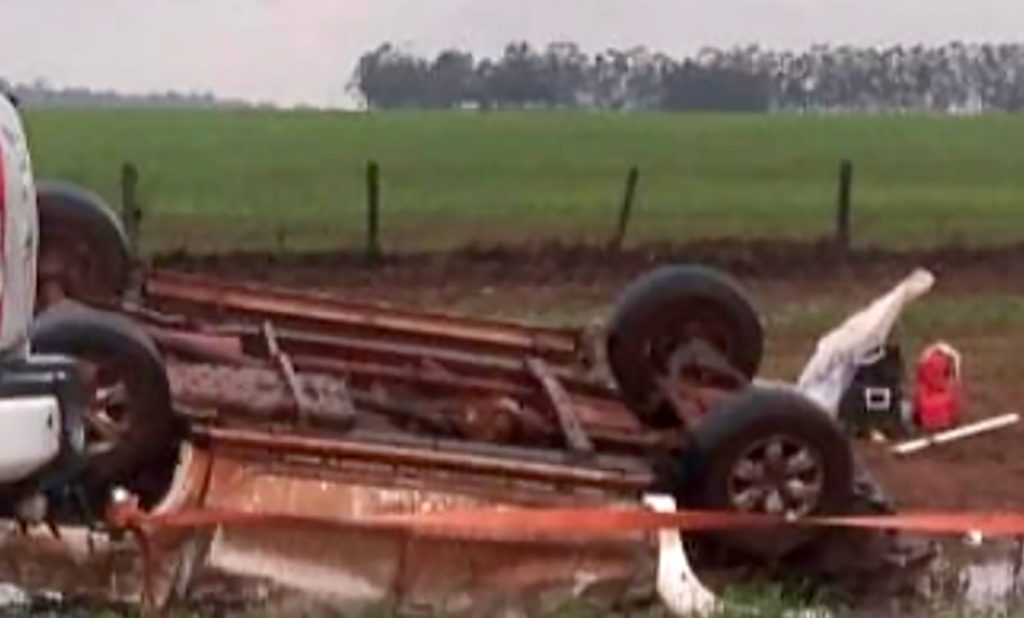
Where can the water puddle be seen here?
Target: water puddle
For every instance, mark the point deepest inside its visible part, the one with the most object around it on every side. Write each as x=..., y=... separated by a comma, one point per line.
x=987, y=580
x=996, y=583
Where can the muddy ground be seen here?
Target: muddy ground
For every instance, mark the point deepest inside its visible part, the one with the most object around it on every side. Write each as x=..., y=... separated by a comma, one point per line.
x=803, y=290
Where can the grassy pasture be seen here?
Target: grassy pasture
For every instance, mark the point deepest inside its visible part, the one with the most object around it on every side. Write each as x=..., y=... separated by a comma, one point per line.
x=294, y=180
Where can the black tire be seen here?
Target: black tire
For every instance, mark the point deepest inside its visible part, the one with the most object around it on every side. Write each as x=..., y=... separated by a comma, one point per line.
x=733, y=432
x=80, y=225
x=652, y=312
x=142, y=459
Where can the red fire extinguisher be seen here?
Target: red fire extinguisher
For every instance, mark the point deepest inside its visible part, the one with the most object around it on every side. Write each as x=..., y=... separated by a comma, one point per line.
x=938, y=393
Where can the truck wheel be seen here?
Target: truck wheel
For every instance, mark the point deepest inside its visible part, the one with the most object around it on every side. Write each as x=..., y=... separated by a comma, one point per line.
x=769, y=451
x=83, y=249
x=668, y=308
x=131, y=433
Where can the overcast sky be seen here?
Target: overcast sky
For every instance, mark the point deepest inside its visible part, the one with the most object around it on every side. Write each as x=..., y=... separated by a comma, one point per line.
x=292, y=51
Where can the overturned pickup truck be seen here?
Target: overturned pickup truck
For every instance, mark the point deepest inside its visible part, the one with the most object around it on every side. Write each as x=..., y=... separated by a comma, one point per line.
x=205, y=393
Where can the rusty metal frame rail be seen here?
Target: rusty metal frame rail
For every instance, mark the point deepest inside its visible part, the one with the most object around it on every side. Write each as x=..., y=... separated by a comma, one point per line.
x=594, y=408
x=303, y=343
x=535, y=469
x=561, y=403
x=284, y=363
x=246, y=345
x=603, y=416
x=325, y=314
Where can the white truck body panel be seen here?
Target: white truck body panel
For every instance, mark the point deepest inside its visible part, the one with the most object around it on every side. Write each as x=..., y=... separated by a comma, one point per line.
x=30, y=427
x=19, y=233
x=29, y=435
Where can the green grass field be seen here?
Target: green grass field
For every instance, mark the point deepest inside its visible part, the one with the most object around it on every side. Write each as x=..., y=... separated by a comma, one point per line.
x=294, y=180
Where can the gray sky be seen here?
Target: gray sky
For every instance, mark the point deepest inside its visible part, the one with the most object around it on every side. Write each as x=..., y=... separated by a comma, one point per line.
x=292, y=51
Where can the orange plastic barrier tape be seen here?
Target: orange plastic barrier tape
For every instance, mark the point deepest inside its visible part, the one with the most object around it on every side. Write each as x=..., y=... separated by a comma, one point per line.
x=513, y=523
x=598, y=522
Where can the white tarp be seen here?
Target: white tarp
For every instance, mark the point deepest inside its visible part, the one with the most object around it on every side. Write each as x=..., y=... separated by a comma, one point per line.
x=858, y=341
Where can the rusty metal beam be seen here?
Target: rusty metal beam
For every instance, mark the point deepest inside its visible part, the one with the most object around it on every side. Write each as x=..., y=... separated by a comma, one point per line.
x=488, y=487
x=412, y=376
x=246, y=345
x=304, y=343
x=608, y=414
x=210, y=386
x=258, y=393
x=272, y=444
x=562, y=406
x=201, y=347
x=289, y=308
x=284, y=364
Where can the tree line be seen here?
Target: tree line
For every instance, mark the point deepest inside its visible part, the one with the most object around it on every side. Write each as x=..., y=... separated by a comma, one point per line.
x=952, y=78
x=43, y=94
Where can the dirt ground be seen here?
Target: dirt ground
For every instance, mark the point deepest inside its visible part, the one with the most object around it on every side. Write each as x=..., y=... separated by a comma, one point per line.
x=803, y=290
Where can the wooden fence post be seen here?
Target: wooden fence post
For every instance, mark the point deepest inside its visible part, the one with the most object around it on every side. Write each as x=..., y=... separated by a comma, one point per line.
x=131, y=208
x=626, y=210
x=373, y=249
x=843, y=213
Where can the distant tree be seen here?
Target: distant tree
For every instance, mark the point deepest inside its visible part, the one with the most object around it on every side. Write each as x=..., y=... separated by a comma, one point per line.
x=452, y=80
x=645, y=82
x=521, y=79
x=565, y=69
x=956, y=77
x=391, y=79
x=695, y=87
x=41, y=93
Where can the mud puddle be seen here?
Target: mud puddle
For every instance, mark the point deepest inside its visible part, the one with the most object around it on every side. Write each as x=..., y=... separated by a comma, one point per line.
x=994, y=580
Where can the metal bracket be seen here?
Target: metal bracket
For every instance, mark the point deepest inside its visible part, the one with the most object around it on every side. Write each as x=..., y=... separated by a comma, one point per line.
x=690, y=397
x=284, y=364
x=561, y=402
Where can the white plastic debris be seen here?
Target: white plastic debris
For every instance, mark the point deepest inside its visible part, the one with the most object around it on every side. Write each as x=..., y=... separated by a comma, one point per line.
x=680, y=589
x=952, y=435
x=678, y=586
x=12, y=596
x=859, y=341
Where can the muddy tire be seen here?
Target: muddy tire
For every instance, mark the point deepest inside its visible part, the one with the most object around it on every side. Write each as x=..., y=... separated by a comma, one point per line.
x=668, y=307
x=132, y=434
x=83, y=247
x=769, y=451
